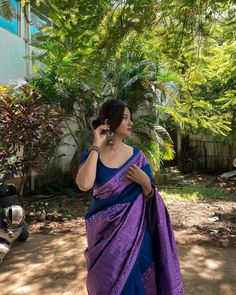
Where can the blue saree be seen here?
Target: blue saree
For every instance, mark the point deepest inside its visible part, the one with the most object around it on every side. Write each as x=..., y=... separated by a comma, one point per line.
x=131, y=246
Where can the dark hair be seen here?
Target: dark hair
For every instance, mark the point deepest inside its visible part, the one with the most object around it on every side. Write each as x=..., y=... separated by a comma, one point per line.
x=112, y=110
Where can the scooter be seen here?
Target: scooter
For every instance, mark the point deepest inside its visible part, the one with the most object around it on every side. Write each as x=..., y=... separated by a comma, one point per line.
x=12, y=216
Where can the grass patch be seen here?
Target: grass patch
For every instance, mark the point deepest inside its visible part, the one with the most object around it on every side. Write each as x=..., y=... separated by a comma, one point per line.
x=193, y=193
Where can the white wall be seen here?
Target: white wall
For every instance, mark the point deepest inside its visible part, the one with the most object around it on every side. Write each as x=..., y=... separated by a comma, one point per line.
x=69, y=151
x=12, y=51
x=68, y=147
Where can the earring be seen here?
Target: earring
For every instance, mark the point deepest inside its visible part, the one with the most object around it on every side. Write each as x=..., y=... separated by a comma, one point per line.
x=110, y=139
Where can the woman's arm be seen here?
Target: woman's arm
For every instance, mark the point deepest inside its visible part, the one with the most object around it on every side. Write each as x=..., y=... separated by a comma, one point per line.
x=147, y=188
x=87, y=173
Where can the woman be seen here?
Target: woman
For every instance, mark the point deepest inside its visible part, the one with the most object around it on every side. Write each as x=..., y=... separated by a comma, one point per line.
x=131, y=247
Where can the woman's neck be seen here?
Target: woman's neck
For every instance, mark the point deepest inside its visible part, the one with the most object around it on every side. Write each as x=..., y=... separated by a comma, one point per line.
x=118, y=144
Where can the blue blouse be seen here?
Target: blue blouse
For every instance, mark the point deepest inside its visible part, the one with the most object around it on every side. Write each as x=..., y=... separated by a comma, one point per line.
x=104, y=173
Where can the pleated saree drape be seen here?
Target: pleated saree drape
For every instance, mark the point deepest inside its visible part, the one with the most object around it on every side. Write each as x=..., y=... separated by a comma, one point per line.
x=131, y=246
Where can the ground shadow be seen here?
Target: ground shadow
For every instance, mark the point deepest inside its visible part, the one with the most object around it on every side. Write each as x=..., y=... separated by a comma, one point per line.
x=45, y=264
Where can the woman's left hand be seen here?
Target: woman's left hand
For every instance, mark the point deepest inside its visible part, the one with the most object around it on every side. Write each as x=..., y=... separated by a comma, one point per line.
x=134, y=173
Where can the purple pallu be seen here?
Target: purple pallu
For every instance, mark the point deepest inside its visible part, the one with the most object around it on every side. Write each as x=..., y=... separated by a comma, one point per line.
x=115, y=226
x=168, y=275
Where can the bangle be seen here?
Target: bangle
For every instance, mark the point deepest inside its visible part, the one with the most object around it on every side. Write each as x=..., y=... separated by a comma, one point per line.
x=95, y=148
x=150, y=195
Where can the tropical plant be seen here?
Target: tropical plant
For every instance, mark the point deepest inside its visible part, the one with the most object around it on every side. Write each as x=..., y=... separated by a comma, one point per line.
x=85, y=58
x=29, y=130
x=135, y=80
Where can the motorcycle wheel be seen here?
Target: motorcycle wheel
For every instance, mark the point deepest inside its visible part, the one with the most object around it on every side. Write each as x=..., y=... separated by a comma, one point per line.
x=25, y=234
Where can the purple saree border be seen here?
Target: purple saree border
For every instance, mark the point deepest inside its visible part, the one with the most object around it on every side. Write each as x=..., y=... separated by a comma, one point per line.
x=167, y=265
x=149, y=280
x=104, y=214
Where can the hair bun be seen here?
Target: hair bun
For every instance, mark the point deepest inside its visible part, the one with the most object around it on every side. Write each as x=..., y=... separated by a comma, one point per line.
x=97, y=122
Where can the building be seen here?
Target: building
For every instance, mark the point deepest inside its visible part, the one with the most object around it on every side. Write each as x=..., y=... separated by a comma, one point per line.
x=16, y=36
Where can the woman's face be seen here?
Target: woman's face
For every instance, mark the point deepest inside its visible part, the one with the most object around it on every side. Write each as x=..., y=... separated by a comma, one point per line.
x=125, y=127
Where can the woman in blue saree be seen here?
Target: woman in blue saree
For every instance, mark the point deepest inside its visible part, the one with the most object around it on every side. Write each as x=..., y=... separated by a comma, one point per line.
x=131, y=246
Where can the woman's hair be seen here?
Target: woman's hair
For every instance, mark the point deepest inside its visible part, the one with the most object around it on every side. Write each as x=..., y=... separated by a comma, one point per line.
x=112, y=110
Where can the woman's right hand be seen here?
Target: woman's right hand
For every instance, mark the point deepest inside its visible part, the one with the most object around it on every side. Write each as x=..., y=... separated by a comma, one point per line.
x=99, y=134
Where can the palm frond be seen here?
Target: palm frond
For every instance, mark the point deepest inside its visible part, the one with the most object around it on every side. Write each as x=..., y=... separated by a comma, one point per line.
x=163, y=132
x=167, y=152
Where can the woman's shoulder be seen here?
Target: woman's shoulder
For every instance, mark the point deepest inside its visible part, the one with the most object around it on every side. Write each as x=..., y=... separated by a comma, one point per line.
x=135, y=148
x=142, y=158
x=138, y=151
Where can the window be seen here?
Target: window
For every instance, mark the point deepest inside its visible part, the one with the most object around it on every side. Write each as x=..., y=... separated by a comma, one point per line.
x=37, y=22
x=12, y=25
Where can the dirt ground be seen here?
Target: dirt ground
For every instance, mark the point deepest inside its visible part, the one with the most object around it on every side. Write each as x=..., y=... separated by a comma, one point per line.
x=52, y=262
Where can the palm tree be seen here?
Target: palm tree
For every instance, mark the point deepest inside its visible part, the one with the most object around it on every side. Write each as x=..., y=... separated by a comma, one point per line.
x=135, y=82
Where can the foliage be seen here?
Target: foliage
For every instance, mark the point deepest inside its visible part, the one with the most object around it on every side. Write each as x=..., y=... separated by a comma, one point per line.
x=134, y=80
x=206, y=74
x=134, y=83
x=29, y=129
x=174, y=58
x=206, y=98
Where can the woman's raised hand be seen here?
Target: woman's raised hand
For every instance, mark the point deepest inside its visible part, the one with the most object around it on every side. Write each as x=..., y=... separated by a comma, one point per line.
x=134, y=173
x=100, y=134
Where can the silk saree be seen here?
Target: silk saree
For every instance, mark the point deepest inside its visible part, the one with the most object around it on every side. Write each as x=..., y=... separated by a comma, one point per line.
x=131, y=246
